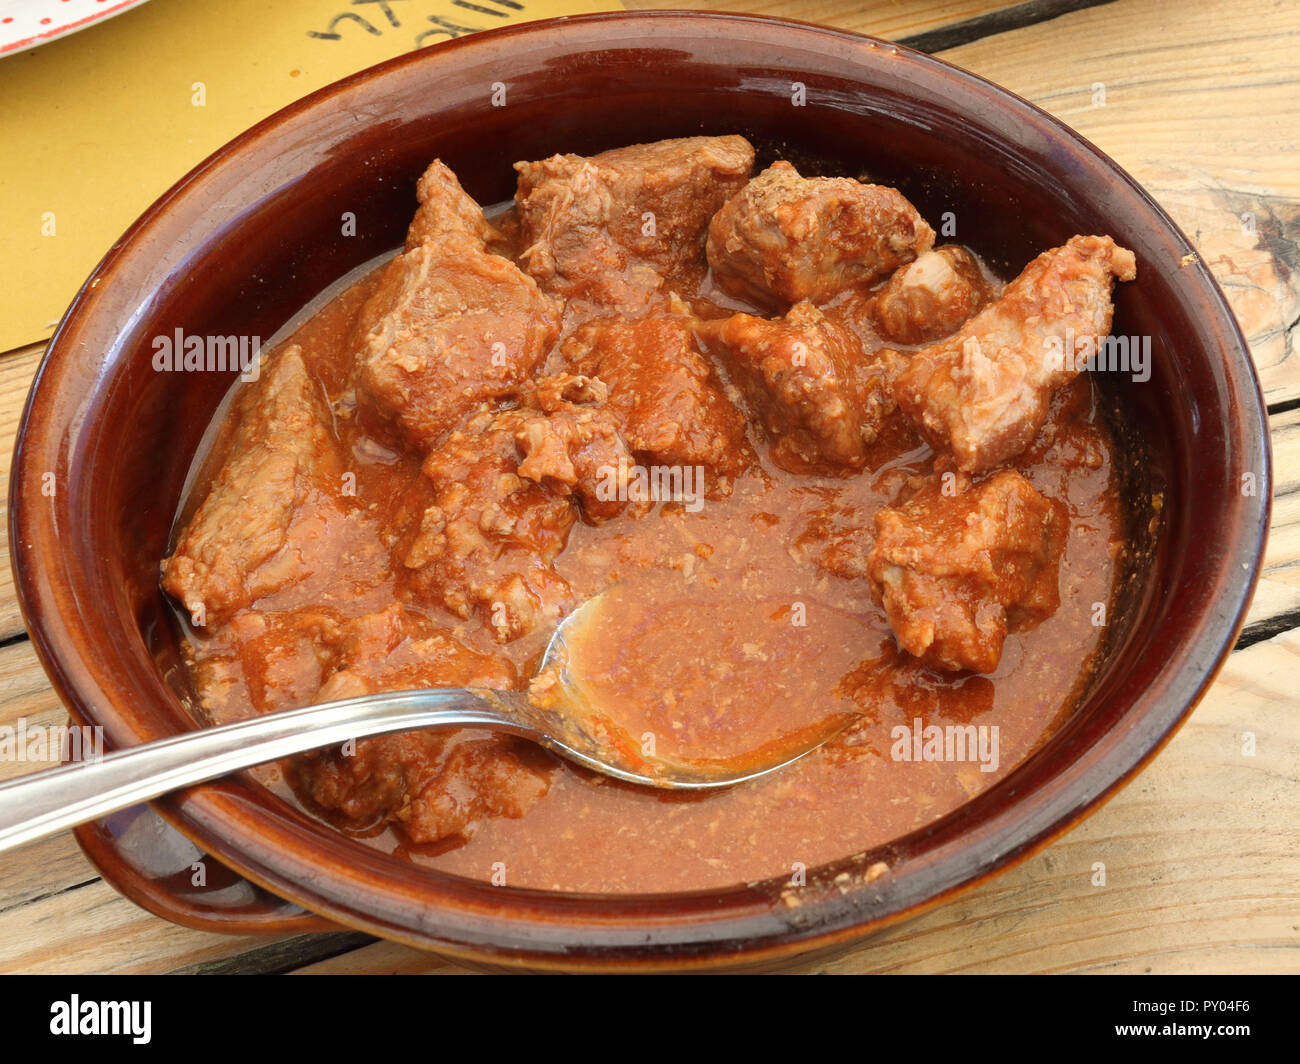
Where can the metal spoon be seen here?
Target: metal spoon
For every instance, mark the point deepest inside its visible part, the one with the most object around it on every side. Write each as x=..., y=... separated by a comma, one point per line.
x=48, y=802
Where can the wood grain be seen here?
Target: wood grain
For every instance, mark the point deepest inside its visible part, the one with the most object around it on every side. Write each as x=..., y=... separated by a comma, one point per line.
x=94, y=929
x=17, y=368
x=1202, y=851
x=1276, y=607
x=893, y=20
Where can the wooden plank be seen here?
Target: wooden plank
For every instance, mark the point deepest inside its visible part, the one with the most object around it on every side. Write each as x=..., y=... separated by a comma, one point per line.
x=56, y=914
x=384, y=958
x=93, y=929
x=284, y=956
x=42, y=870
x=1277, y=599
x=17, y=368
x=891, y=20
x=52, y=866
x=26, y=695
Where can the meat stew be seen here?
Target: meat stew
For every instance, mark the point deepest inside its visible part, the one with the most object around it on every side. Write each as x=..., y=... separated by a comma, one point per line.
x=657, y=371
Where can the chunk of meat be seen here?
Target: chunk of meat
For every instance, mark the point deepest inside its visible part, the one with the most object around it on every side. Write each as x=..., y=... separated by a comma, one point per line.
x=446, y=208
x=931, y=297
x=281, y=476
x=820, y=397
x=504, y=502
x=435, y=784
x=449, y=327
x=293, y=653
x=574, y=449
x=610, y=228
x=785, y=238
x=397, y=649
x=668, y=400
x=958, y=564
x=983, y=393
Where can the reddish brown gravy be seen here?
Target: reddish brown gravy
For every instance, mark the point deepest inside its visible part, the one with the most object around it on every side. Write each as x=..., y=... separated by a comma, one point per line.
x=592, y=834
x=741, y=679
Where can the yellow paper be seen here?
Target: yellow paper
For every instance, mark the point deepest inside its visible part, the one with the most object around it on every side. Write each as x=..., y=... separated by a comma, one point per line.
x=94, y=127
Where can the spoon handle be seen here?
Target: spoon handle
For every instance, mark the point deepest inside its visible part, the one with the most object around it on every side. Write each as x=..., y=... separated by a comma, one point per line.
x=47, y=802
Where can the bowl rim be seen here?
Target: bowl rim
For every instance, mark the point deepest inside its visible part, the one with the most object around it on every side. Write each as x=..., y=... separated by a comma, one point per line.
x=749, y=922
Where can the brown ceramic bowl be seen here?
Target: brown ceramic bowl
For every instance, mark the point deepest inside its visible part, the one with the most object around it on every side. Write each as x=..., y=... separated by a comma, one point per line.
x=252, y=234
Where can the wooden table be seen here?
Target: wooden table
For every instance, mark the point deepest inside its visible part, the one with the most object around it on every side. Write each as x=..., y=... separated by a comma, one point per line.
x=1202, y=851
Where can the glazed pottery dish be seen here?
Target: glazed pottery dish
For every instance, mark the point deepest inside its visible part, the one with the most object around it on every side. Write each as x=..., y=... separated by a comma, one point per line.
x=870, y=407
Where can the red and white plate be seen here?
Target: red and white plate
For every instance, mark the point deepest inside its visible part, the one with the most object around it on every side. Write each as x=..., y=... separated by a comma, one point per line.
x=28, y=23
